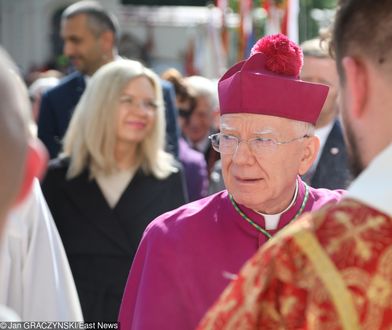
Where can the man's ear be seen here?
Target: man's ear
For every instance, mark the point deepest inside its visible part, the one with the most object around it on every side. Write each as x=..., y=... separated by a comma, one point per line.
x=36, y=161
x=309, y=155
x=355, y=86
x=108, y=40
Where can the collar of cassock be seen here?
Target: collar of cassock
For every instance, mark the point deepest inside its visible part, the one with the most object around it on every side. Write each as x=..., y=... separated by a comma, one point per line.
x=272, y=220
x=256, y=223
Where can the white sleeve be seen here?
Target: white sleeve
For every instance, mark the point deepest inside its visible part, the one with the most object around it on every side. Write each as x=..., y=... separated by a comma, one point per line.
x=37, y=281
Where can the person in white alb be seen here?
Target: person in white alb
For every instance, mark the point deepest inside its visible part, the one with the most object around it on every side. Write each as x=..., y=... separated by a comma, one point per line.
x=22, y=157
x=35, y=277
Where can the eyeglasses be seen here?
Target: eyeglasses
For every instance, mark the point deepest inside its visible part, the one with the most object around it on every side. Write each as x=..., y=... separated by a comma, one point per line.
x=146, y=105
x=228, y=144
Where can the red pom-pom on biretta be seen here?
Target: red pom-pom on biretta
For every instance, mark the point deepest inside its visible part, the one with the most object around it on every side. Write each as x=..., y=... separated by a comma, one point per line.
x=268, y=83
x=283, y=56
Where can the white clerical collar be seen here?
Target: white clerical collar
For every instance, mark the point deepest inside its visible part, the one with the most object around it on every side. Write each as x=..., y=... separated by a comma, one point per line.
x=373, y=186
x=272, y=220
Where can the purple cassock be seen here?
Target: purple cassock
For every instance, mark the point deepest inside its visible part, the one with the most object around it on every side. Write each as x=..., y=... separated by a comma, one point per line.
x=188, y=256
x=195, y=170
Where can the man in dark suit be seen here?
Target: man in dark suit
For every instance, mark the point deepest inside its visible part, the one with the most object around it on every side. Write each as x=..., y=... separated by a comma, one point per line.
x=331, y=169
x=89, y=33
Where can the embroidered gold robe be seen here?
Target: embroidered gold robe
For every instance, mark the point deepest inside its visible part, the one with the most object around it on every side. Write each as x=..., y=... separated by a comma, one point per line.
x=330, y=270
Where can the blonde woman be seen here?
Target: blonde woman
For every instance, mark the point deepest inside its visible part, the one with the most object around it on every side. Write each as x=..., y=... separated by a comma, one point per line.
x=111, y=180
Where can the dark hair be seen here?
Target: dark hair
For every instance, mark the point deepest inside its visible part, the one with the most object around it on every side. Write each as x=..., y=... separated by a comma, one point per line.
x=183, y=92
x=99, y=19
x=362, y=28
x=176, y=78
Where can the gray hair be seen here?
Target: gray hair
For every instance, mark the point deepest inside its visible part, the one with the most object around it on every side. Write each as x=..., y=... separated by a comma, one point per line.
x=203, y=87
x=303, y=128
x=99, y=20
x=90, y=139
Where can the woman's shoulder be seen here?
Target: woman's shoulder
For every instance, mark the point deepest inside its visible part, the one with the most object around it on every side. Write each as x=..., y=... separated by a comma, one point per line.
x=57, y=169
x=177, y=166
x=177, y=170
x=59, y=164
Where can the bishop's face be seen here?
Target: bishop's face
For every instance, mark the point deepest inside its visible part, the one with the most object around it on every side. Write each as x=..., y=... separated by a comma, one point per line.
x=263, y=181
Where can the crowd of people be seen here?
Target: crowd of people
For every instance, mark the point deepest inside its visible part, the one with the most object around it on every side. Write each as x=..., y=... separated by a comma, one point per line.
x=260, y=201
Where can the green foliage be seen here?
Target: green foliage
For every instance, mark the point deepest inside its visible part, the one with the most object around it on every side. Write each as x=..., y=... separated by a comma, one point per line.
x=323, y=4
x=166, y=2
x=308, y=27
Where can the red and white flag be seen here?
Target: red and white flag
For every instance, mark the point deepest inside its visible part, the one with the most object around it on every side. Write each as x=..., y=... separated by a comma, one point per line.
x=283, y=18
